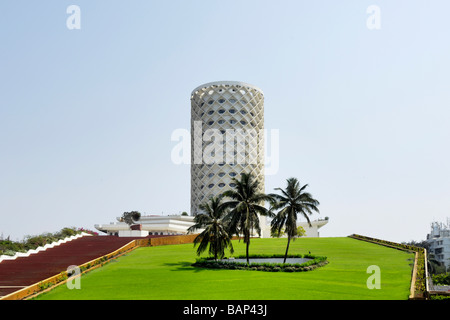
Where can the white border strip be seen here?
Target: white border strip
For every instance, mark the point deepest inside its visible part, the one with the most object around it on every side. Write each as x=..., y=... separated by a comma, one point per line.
x=45, y=247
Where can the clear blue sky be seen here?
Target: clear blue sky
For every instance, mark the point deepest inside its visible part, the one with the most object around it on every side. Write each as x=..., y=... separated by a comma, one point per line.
x=86, y=115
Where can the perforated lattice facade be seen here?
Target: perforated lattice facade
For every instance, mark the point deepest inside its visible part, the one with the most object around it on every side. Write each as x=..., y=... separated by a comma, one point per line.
x=227, y=126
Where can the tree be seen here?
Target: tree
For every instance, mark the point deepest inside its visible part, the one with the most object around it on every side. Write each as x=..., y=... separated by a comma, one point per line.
x=245, y=205
x=277, y=233
x=293, y=201
x=130, y=217
x=300, y=232
x=215, y=233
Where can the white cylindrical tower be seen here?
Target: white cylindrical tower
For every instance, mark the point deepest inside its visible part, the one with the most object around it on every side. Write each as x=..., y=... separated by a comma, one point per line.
x=227, y=127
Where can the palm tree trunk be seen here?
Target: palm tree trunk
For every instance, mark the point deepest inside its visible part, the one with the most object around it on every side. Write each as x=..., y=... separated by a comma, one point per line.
x=247, y=242
x=246, y=252
x=247, y=233
x=287, y=248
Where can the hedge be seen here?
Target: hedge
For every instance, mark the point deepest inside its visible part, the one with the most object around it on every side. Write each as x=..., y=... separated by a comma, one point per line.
x=315, y=262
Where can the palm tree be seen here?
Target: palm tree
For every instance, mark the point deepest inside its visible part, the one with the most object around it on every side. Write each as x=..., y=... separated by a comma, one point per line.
x=293, y=201
x=215, y=234
x=245, y=205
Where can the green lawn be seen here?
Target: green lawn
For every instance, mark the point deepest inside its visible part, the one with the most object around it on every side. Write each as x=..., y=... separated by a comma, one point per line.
x=165, y=272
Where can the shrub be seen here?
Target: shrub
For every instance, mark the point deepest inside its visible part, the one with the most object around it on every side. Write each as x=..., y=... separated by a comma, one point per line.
x=439, y=297
x=442, y=279
x=67, y=232
x=32, y=242
x=9, y=252
x=93, y=233
x=10, y=247
x=289, y=269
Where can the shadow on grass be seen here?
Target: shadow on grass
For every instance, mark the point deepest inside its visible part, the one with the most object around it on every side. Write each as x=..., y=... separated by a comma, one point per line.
x=188, y=266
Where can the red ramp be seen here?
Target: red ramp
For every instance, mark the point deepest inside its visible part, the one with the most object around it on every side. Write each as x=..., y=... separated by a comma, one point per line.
x=25, y=271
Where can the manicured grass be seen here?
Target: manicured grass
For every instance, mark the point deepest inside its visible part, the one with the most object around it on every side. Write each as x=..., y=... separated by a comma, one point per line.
x=165, y=273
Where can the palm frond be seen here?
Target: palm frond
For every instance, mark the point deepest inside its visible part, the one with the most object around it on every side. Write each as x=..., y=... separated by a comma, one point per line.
x=294, y=201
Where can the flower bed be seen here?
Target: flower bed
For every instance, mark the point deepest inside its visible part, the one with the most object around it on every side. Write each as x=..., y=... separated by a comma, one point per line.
x=315, y=262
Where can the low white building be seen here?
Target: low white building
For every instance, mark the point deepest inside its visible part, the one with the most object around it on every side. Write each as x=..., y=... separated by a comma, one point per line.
x=439, y=241
x=310, y=231
x=179, y=225
x=313, y=231
x=150, y=225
